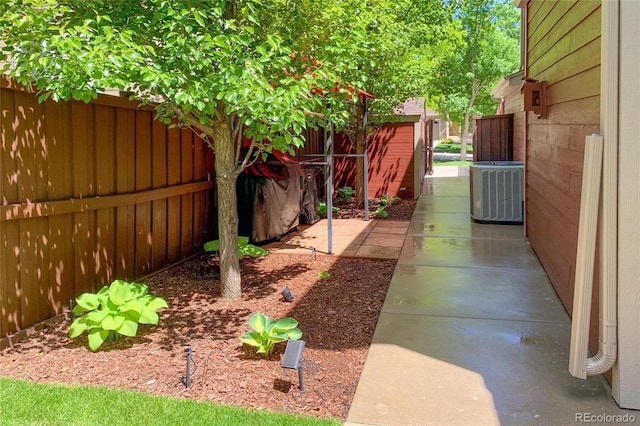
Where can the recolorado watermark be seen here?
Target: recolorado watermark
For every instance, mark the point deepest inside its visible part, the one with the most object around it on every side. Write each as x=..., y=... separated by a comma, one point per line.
x=605, y=418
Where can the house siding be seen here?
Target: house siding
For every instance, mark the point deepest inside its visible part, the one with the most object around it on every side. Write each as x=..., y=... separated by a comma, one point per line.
x=564, y=51
x=519, y=145
x=514, y=104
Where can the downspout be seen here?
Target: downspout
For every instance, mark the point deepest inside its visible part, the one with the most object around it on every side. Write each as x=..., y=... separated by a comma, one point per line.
x=607, y=344
x=583, y=289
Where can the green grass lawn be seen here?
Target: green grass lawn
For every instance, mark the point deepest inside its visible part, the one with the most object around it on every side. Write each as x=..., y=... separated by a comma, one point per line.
x=27, y=403
x=437, y=163
x=452, y=148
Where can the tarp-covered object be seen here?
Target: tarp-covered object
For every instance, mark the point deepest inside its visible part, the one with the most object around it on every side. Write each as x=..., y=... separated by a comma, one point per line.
x=276, y=206
x=309, y=201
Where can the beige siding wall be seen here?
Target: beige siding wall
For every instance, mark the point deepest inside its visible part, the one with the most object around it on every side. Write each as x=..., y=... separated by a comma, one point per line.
x=564, y=51
x=514, y=105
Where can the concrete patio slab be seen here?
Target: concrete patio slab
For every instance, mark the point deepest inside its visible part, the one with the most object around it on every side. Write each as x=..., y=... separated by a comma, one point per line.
x=377, y=239
x=385, y=240
x=377, y=252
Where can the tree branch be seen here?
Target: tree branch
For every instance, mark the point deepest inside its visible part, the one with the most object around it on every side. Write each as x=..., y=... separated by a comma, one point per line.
x=248, y=155
x=311, y=113
x=191, y=120
x=237, y=136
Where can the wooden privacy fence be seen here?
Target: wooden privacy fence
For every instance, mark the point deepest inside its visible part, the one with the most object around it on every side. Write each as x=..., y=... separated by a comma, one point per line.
x=90, y=193
x=493, y=138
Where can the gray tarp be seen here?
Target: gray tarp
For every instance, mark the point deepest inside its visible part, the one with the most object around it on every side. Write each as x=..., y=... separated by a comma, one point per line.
x=277, y=206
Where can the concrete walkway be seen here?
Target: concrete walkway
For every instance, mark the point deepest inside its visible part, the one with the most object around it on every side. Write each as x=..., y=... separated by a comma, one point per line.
x=471, y=331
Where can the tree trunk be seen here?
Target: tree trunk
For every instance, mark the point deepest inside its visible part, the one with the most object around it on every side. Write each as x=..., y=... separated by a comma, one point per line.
x=463, y=138
x=226, y=175
x=467, y=115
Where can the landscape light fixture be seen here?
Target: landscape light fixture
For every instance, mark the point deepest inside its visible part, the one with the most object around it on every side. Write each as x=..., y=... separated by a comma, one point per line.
x=188, y=373
x=72, y=304
x=287, y=295
x=292, y=359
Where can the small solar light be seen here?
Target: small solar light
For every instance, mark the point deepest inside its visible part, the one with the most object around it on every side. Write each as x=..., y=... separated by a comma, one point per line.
x=72, y=304
x=292, y=359
x=402, y=191
x=287, y=295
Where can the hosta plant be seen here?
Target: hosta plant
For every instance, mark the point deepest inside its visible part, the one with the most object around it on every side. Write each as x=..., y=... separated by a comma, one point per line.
x=322, y=209
x=380, y=212
x=116, y=310
x=267, y=332
x=244, y=248
x=385, y=200
x=345, y=193
x=324, y=275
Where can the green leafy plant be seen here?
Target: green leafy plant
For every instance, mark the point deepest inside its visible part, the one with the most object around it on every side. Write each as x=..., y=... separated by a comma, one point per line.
x=244, y=248
x=452, y=148
x=322, y=209
x=385, y=200
x=345, y=193
x=116, y=310
x=324, y=276
x=380, y=213
x=266, y=332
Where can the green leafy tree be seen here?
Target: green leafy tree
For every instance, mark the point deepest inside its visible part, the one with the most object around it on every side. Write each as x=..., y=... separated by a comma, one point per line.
x=480, y=45
x=226, y=69
x=399, y=37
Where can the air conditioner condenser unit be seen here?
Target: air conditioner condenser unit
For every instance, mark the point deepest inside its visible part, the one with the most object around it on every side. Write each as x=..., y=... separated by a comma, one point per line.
x=497, y=192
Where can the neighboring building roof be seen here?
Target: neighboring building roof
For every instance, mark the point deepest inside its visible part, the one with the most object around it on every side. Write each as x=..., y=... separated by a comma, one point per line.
x=507, y=85
x=416, y=107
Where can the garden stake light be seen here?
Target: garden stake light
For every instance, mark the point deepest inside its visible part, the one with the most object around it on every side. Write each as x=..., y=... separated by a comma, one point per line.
x=72, y=304
x=188, y=374
x=292, y=359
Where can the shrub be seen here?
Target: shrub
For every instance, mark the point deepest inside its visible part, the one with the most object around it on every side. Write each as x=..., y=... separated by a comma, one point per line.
x=244, y=248
x=385, y=200
x=322, y=209
x=446, y=140
x=114, y=311
x=380, y=212
x=345, y=193
x=324, y=275
x=266, y=333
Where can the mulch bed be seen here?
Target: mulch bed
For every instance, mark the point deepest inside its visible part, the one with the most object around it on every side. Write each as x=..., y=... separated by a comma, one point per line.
x=337, y=316
x=400, y=210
